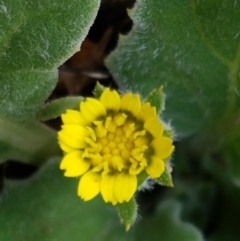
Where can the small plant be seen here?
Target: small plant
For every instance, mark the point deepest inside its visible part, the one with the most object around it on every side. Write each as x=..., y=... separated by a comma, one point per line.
x=118, y=145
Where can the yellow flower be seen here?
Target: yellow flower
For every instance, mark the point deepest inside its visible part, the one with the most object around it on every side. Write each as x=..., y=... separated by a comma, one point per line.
x=110, y=142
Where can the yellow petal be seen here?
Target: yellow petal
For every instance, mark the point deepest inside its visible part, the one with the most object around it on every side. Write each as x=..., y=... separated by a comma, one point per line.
x=119, y=119
x=141, y=140
x=96, y=159
x=111, y=100
x=91, y=109
x=117, y=162
x=89, y=185
x=67, y=139
x=100, y=131
x=162, y=147
x=155, y=168
x=76, y=131
x=74, y=164
x=131, y=104
x=107, y=188
x=135, y=170
x=65, y=147
x=146, y=112
x=92, y=133
x=125, y=187
x=73, y=135
x=153, y=126
x=128, y=128
x=73, y=117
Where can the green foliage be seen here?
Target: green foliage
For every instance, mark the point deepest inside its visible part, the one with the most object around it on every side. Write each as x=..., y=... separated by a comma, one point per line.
x=167, y=225
x=55, y=108
x=166, y=178
x=27, y=141
x=232, y=155
x=228, y=214
x=192, y=48
x=36, y=37
x=127, y=212
x=157, y=99
x=98, y=90
x=47, y=208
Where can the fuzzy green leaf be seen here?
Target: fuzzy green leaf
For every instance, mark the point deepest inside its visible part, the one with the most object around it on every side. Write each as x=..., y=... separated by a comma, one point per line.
x=192, y=49
x=28, y=141
x=35, y=38
x=227, y=212
x=166, y=178
x=57, y=107
x=157, y=99
x=127, y=212
x=98, y=90
x=47, y=208
x=232, y=155
x=166, y=225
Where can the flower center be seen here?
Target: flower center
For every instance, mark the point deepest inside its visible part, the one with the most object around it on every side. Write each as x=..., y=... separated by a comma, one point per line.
x=117, y=144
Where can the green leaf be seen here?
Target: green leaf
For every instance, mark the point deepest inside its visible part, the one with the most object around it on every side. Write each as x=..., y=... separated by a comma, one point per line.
x=47, y=208
x=28, y=141
x=157, y=99
x=35, y=38
x=166, y=178
x=226, y=226
x=192, y=49
x=168, y=133
x=57, y=107
x=166, y=225
x=127, y=212
x=232, y=155
x=98, y=90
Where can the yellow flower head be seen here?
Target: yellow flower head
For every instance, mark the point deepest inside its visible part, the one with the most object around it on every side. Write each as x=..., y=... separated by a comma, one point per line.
x=110, y=142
